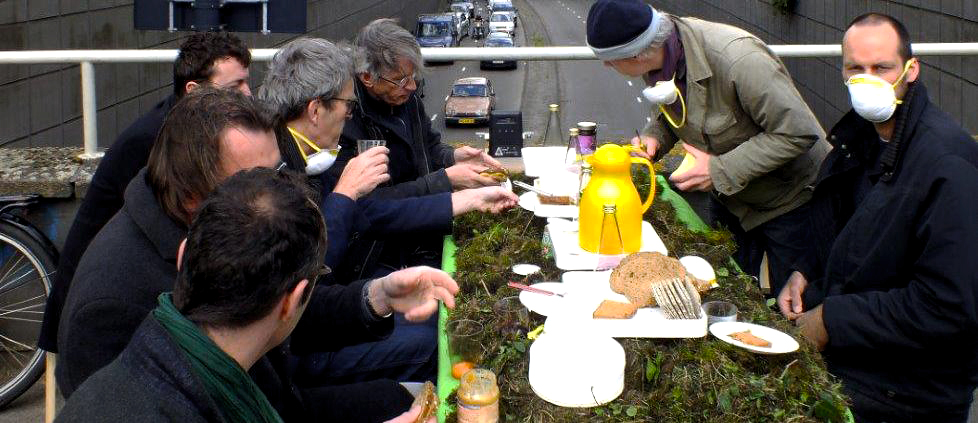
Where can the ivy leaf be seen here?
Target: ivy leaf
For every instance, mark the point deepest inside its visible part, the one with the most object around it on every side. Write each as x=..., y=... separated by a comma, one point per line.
x=520, y=346
x=723, y=272
x=631, y=411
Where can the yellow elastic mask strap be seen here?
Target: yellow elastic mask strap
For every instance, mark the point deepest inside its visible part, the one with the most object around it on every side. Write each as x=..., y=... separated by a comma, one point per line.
x=665, y=113
x=299, y=137
x=906, y=68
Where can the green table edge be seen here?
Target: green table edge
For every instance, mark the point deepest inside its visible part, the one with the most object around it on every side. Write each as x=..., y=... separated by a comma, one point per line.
x=446, y=383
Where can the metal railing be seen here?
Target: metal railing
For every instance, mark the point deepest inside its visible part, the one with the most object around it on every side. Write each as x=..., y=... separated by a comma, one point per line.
x=87, y=59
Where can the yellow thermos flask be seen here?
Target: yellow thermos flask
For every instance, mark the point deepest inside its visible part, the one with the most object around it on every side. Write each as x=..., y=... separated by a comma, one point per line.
x=610, y=208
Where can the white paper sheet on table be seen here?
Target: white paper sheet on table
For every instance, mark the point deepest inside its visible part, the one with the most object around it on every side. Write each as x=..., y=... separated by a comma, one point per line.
x=586, y=290
x=531, y=202
x=570, y=256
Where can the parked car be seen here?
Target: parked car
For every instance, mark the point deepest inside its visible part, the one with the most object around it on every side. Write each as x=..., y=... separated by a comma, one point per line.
x=505, y=6
x=462, y=15
x=437, y=30
x=498, y=41
x=501, y=22
x=471, y=102
x=469, y=7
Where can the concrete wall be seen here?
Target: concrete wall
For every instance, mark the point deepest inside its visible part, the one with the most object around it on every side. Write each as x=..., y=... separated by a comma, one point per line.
x=40, y=105
x=952, y=82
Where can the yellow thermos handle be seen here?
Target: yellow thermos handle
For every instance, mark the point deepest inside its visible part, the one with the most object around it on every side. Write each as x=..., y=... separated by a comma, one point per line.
x=648, y=201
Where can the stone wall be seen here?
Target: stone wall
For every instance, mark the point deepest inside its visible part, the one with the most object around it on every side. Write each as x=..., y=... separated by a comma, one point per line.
x=40, y=105
x=952, y=81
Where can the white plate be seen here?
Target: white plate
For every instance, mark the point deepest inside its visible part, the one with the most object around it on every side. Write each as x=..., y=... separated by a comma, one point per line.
x=525, y=269
x=576, y=370
x=530, y=202
x=541, y=303
x=781, y=342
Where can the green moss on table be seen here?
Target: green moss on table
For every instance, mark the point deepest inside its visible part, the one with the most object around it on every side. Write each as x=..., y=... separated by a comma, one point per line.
x=681, y=380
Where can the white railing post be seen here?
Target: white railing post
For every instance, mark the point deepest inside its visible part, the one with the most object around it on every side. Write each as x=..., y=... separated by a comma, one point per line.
x=89, y=112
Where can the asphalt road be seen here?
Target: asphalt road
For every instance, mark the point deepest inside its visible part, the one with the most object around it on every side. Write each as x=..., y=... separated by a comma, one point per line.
x=508, y=85
x=589, y=91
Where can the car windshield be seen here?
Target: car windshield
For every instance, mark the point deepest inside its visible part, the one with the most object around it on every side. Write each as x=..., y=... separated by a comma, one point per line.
x=469, y=90
x=503, y=7
x=460, y=8
x=434, y=29
x=499, y=18
x=499, y=42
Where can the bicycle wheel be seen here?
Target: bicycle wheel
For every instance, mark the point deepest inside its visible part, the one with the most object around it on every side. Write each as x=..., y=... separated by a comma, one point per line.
x=25, y=281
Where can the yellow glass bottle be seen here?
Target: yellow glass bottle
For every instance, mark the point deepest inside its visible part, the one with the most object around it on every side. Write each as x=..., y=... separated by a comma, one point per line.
x=610, y=208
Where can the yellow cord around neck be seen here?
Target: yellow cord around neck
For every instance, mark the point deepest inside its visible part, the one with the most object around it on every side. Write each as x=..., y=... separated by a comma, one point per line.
x=299, y=137
x=662, y=108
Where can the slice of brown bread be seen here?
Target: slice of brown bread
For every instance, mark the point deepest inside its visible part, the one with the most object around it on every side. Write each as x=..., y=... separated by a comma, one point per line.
x=635, y=274
x=614, y=310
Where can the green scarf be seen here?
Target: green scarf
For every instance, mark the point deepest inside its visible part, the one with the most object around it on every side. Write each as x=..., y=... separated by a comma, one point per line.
x=228, y=384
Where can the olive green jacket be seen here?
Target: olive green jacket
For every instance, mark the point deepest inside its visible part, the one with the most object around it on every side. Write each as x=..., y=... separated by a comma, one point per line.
x=744, y=110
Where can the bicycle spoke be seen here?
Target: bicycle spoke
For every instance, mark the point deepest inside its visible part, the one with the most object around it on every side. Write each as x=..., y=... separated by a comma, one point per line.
x=14, y=353
x=6, y=308
x=20, y=258
x=4, y=290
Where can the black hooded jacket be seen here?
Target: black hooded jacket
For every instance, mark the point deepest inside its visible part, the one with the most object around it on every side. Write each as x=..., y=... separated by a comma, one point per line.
x=894, y=263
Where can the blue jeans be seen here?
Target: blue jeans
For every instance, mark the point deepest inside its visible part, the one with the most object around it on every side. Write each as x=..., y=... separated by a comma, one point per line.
x=410, y=354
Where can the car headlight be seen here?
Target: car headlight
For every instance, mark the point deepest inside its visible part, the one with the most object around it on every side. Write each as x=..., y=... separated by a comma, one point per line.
x=480, y=112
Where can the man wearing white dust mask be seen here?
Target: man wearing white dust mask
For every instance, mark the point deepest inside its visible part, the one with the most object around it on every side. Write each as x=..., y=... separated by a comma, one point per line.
x=755, y=143
x=889, y=291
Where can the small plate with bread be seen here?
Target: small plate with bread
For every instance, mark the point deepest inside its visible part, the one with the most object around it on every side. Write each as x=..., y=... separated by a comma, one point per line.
x=756, y=338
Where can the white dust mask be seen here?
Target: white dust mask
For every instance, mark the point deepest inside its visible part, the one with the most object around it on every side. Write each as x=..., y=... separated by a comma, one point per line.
x=873, y=97
x=319, y=161
x=664, y=93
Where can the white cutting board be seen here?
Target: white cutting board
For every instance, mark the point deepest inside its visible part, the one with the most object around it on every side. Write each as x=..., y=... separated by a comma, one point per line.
x=586, y=290
x=570, y=256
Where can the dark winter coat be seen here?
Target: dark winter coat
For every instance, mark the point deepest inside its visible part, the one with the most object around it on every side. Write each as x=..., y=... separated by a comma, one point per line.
x=121, y=163
x=897, y=239
x=133, y=260
x=353, y=225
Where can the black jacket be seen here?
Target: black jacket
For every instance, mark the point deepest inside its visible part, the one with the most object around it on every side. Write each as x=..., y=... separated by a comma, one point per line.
x=417, y=158
x=133, y=260
x=897, y=241
x=356, y=230
x=121, y=163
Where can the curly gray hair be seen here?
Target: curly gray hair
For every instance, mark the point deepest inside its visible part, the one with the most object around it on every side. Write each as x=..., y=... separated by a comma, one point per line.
x=305, y=69
x=381, y=43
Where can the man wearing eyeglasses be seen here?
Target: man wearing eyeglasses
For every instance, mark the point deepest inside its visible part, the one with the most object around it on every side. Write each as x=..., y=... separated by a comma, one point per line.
x=389, y=63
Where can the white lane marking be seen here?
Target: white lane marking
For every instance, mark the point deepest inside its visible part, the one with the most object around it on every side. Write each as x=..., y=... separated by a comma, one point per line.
x=648, y=119
x=434, y=116
x=463, y=68
x=629, y=83
x=578, y=16
x=638, y=99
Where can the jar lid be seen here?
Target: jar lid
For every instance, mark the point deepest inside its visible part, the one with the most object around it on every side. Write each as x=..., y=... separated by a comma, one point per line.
x=587, y=125
x=573, y=131
x=478, y=387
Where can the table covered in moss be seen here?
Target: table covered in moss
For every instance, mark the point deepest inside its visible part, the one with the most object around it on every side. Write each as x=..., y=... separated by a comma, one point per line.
x=666, y=380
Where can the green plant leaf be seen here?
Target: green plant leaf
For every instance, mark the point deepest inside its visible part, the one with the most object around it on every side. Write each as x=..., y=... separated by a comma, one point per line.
x=631, y=411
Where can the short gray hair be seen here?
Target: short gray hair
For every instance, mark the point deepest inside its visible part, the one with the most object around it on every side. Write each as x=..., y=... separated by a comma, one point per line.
x=665, y=30
x=381, y=43
x=303, y=70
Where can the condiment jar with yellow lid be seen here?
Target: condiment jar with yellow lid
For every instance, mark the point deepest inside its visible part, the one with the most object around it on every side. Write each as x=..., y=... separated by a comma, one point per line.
x=478, y=397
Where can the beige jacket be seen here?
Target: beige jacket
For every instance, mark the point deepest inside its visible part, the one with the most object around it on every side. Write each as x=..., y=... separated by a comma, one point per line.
x=743, y=109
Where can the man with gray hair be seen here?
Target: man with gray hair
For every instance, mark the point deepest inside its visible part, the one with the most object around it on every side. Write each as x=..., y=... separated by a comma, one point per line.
x=309, y=84
x=755, y=143
x=388, y=62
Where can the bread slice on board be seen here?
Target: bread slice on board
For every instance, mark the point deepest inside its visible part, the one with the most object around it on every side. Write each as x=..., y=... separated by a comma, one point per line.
x=614, y=310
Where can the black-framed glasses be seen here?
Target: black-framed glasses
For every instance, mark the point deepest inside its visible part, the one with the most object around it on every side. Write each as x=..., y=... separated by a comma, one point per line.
x=351, y=104
x=402, y=82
